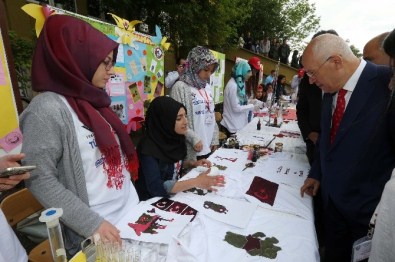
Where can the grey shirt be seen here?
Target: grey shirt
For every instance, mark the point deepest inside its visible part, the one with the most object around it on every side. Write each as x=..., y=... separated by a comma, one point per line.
x=50, y=142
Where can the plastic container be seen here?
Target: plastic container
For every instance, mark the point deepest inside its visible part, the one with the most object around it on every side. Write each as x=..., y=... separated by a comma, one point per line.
x=51, y=218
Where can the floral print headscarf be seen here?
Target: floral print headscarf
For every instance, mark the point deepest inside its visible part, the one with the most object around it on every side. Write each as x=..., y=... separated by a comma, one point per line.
x=198, y=59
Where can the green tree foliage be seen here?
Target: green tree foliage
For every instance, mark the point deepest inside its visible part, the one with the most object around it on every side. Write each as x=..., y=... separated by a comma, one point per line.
x=356, y=51
x=292, y=19
x=212, y=23
x=22, y=51
x=216, y=23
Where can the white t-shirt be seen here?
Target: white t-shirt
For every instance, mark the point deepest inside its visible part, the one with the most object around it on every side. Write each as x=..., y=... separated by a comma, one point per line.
x=110, y=202
x=203, y=116
x=10, y=247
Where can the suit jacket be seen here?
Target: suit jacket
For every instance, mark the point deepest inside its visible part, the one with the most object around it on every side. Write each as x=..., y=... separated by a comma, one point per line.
x=354, y=169
x=308, y=109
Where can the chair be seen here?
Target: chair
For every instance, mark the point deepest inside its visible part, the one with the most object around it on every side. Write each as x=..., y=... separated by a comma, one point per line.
x=17, y=207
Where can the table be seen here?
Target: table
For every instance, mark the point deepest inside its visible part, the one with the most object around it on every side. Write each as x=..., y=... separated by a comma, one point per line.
x=280, y=229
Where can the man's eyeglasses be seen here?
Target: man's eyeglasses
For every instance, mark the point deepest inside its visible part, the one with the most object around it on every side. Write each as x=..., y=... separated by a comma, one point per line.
x=313, y=74
x=108, y=64
x=182, y=65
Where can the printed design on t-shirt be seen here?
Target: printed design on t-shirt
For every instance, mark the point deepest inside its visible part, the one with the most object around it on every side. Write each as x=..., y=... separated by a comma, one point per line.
x=287, y=171
x=232, y=159
x=290, y=134
x=216, y=207
x=263, y=190
x=168, y=205
x=222, y=168
x=256, y=244
x=149, y=224
x=198, y=191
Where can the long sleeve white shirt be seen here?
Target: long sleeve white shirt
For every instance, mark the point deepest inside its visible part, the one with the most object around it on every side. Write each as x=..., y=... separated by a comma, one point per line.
x=235, y=116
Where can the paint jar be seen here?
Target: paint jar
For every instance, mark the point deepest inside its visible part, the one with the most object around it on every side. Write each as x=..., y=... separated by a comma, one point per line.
x=278, y=147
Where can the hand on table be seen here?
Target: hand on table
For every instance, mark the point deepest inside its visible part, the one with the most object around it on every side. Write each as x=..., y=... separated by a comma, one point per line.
x=108, y=233
x=11, y=161
x=310, y=187
x=205, y=181
x=203, y=162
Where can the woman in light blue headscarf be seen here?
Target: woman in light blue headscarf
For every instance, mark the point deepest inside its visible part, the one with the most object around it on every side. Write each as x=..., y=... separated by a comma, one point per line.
x=236, y=106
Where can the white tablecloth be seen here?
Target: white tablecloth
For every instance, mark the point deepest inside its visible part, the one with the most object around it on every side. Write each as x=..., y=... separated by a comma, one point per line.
x=289, y=220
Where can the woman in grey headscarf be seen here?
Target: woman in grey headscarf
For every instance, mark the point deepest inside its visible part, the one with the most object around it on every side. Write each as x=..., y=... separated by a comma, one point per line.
x=194, y=91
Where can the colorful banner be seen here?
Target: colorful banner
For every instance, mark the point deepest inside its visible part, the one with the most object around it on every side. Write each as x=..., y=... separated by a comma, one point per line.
x=10, y=135
x=139, y=67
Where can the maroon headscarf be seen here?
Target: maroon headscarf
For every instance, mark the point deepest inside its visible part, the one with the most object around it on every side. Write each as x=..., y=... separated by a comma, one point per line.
x=67, y=55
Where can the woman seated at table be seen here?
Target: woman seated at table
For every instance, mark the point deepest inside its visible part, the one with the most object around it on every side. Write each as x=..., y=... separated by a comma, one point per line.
x=236, y=106
x=162, y=151
x=280, y=88
x=260, y=93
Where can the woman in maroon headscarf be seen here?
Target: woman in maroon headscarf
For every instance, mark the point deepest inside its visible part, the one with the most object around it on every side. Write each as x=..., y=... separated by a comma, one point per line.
x=84, y=156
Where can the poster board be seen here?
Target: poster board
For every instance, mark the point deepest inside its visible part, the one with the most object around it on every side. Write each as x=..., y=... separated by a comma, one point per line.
x=139, y=69
x=217, y=78
x=10, y=101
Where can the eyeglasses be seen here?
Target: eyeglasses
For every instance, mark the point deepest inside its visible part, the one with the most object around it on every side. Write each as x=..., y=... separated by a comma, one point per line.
x=313, y=74
x=108, y=64
x=182, y=65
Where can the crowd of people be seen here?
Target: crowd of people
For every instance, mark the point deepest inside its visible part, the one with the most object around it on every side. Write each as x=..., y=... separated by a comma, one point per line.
x=80, y=147
x=273, y=48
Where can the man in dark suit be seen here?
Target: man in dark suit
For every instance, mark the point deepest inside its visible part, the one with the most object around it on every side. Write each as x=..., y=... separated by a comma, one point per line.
x=355, y=158
x=308, y=111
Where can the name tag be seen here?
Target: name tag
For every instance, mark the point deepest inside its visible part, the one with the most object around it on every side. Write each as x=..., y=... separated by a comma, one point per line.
x=361, y=249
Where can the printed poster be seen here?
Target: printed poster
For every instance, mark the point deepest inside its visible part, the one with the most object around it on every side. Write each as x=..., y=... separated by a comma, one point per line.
x=10, y=135
x=217, y=78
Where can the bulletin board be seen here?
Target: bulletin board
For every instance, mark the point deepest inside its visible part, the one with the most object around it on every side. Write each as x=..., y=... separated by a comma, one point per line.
x=10, y=101
x=139, y=69
x=217, y=78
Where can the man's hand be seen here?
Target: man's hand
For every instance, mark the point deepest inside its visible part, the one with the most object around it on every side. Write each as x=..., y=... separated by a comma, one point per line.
x=310, y=187
x=313, y=136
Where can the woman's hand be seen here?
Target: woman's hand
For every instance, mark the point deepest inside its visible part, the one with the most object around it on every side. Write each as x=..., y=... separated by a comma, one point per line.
x=108, y=233
x=205, y=181
x=203, y=162
x=198, y=146
x=11, y=161
x=213, y=148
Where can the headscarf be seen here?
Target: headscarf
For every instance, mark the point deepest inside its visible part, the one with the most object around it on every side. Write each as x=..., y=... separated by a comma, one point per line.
x=67, y=55
x=161, y=140
x=198, y=59
x=239, y=73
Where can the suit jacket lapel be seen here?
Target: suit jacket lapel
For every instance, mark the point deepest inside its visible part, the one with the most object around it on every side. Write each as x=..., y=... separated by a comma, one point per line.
x=359, y=98
x=326, y=120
